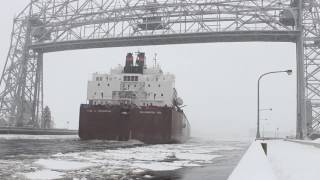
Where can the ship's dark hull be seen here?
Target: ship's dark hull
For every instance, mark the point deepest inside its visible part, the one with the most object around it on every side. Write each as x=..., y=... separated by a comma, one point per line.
x=150, y=125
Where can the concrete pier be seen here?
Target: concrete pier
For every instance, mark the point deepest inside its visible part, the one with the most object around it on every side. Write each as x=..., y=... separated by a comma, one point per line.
x=34, y=131
x=286, y=160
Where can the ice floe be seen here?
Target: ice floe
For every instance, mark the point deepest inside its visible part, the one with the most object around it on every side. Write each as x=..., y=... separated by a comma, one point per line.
x=130, y=160
x=62, y=164
x=158, y=166
x=43, y=175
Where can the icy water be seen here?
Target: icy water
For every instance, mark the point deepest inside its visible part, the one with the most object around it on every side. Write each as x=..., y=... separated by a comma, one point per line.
x=66, y=157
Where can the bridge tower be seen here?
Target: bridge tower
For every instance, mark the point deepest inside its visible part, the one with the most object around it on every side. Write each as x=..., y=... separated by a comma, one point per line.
x=308, y=46
x=49, y=26
x=21, y=81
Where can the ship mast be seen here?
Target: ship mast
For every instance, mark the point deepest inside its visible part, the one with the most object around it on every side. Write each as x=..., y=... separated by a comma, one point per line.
x=155, y=60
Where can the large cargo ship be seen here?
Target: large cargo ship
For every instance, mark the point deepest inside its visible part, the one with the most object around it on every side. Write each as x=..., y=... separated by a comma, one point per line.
x=134, y=102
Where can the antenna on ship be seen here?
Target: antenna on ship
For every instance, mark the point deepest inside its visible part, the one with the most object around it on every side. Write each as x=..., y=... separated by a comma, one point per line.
x=155, y=60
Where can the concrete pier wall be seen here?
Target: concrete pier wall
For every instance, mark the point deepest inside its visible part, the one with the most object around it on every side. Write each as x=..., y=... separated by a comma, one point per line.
x=254, y=165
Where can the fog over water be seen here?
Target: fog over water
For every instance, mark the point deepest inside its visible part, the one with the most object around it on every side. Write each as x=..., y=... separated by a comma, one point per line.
x=218, y=81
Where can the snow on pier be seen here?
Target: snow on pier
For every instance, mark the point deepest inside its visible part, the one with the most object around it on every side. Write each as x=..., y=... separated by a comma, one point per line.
x=254, y=165
x=285, y=160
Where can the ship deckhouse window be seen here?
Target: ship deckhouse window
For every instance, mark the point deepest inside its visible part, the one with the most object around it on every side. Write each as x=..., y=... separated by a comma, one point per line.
x=102, y=94
x=108, y=84
x=162, y=94
x=98, y=78
x=136, y=78
x=131, y=78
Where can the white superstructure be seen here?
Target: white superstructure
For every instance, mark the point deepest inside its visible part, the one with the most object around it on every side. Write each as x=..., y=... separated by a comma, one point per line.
x=134, y=84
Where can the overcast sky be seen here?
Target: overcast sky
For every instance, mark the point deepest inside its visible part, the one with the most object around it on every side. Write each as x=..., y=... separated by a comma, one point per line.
x=218, y=81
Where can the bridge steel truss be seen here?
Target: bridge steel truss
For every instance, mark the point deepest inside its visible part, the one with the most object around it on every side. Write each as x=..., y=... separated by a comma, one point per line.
x=57, y=25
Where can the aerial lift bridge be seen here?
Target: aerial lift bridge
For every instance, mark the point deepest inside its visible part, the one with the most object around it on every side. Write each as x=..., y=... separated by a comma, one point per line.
x=45, y=26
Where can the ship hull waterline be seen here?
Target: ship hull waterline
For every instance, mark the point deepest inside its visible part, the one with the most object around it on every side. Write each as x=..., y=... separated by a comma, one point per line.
x=153, y=125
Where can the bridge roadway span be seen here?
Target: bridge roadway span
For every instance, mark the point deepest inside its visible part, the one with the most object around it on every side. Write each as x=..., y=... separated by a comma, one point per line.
x=231, y=36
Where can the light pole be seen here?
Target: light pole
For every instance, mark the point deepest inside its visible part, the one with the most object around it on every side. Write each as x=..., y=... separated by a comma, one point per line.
x=276, y=132
x=289, y=72
x=263, y=124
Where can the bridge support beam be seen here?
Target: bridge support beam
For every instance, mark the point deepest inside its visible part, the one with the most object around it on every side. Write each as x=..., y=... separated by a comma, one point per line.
x=301, y=125
x=301, y=104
